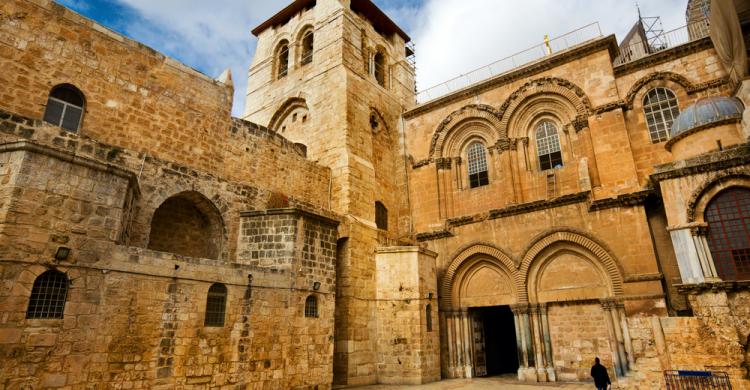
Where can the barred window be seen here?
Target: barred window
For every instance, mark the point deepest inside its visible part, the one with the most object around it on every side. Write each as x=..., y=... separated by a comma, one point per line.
x=661, y=109
x=216, y=303
x=65, y=106
x=48, y=295
x=477, y=164
x=311, y=307
x=728, y=217
x=307, y=48
x=381, y=216
x=282, y=57
x=548, y=146
x=428, y=313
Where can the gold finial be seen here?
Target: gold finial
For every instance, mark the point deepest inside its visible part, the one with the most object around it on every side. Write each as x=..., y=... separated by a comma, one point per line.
x=546, y=43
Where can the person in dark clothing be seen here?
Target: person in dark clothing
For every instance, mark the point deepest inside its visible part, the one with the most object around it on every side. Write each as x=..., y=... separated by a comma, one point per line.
x=599, y=373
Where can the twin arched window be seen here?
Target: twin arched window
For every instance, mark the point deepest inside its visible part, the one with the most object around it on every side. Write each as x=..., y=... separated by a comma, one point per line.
x=216, y=303
x=282, y=59
x=48, y=295
x=65, y=106
x=378, y=67
x=307, y=48
x=661, y=109
x=476, y=156
x=548, y=146
x=728, y=217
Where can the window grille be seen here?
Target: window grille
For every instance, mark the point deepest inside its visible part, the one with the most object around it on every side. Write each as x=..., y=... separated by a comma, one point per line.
x=728, y=217
x=381, y=216
x=428, y=313
x=311, y=307
x=661, y=109
x=307, y=48
x=283, y=58
x=216, y=302
x=477, y=164
x=548, y=146
x=48, y=295
x=714, y=380
x=65, y=106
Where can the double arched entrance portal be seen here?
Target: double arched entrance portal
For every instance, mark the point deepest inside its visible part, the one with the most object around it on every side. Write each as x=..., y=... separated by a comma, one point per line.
x=543, y=317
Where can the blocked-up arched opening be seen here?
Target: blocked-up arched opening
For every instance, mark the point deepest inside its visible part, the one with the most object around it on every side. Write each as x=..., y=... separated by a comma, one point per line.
x=187, y=224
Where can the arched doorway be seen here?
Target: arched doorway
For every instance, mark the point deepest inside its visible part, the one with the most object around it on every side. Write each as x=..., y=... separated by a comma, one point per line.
x=479, y=335
x=572, y=285
x=187, y=224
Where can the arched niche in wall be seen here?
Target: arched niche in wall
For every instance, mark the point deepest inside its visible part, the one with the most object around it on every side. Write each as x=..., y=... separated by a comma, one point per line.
x=187, y=224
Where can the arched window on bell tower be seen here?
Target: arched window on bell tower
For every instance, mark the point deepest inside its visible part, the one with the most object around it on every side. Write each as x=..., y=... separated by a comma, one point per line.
x=282, y=59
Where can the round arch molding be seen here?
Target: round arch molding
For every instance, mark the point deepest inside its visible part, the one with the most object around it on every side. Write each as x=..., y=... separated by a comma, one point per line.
x=479, y=112
x=608, y=262
x=709, y=189
x=465, y=256
x=547, y=85
x=284, y=110
x=656, y=76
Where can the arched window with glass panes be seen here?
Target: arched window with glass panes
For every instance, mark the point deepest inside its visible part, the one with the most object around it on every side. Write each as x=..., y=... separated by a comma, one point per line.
x=48, y=295
x=65, y=107
x=661, y=109
x=476, y=158
x=548, y=146
x=728, y=218
x=216, y=303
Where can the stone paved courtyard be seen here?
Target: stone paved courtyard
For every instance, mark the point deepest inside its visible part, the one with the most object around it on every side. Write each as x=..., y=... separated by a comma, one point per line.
x=485, y=384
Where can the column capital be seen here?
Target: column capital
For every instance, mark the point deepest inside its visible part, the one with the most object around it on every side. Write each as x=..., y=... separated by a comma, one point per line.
x=520, y=308
x=608, y=303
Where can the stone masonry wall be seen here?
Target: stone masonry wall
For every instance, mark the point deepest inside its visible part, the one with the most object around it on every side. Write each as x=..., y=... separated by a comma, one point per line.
x=152, y=306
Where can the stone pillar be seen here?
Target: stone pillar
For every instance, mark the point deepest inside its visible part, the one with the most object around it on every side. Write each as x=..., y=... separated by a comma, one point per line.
x=446, y=323
x=526, y=369
x=693, y=255
x=607, y=305
x=536, y=326
x=617, y=326
x=467, y=344
x=547, y=343
x=523, y=357
x=626, y=335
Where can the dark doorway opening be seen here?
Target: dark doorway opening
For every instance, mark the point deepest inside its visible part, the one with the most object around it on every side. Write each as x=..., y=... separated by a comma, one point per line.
x=499, y=340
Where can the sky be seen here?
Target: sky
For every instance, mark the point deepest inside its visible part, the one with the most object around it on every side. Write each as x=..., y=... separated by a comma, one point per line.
x=452, y=37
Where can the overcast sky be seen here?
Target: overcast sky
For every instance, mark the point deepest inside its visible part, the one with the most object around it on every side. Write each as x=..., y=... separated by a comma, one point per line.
x=452, y=37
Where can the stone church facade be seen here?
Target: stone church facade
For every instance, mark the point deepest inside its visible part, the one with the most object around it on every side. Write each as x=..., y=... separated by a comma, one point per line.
x=593, y=202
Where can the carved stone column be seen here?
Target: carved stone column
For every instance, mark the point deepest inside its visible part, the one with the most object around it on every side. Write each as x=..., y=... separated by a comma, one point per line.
x=626, y=335
x=526, y=370
x=547, y=343
x=447, y=320
x=467, y=344
x=607, y=305
x=536, y=326
x=522, y=361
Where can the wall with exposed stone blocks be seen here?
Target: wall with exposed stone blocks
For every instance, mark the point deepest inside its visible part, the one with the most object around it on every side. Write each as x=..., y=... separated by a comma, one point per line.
x=152, y=305
x=408, y=352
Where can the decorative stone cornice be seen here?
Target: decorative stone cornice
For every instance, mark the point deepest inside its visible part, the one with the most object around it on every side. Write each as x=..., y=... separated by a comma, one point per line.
x=620, y=104
x=434, y=235
x=643, y=278
x=624, y=200
x=663, y=56
x=607, y=43
x=465, y=220
x=539, y=205
x=699, y=288
x=720, y=160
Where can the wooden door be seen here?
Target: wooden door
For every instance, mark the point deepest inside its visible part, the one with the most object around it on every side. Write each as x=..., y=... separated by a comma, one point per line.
x=480, y=357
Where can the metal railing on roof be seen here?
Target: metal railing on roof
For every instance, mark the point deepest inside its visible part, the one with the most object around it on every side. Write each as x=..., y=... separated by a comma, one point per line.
x=666, y=40
x=534, y=53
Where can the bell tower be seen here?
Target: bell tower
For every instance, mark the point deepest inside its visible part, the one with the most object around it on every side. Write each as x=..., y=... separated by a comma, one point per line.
x=335, y=75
